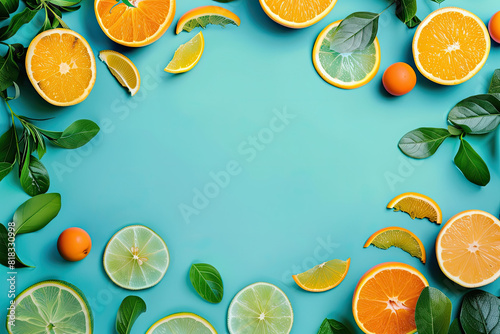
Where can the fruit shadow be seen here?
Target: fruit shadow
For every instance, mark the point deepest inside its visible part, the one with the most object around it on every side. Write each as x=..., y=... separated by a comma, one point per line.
x=260, y=19
x=54, y=255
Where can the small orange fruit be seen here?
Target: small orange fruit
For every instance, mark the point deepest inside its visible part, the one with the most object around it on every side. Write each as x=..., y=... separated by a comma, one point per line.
x=74, y=244
x=385, y=299
x=399, y=79
x=494, y=27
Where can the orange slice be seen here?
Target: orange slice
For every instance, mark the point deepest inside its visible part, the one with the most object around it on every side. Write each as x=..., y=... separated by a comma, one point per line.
x=385, y=299
x=202, y=16
x=450, y=46
x=134, y=26
x=323, y=277
x=468, y=248
x=417, y=206
x=398, y=237
x=297, y=14
x=61, y=66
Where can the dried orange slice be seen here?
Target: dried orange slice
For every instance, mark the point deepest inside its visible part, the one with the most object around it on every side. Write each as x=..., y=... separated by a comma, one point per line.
x=468, y=248
x=450, y=46
x=398, y=237
x=417, y=206
x=324, y=276
x=205, y=15
x=134, y=26
x=61, y=66
x=293, y=14
x=385, y=299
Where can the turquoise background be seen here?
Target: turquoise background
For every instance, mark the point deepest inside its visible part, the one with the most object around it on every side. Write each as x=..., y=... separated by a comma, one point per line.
x=315, y=192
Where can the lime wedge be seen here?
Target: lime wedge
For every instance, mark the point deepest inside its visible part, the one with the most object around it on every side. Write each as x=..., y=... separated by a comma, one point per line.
x=51, y=307
x=182, y=323
x=260, y=308
x=136, y=258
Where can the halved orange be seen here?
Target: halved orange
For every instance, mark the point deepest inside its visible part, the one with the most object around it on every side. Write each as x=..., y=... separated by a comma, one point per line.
x=385, y=299
x=61, y=66
x=398, y=237
x=324, y=276
x=134, y=26
x=204, y=15
x=297, y=14
x=417, y=206
x=468, y=248
x=451, y=45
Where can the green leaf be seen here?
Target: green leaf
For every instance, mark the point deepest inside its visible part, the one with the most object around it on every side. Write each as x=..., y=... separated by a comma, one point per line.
x=17, y=22
x=454, y=131
x=433, y=312
x=330, y=326
x=356, y=32
x=480, y=313
x=495, y=82
x=415, y=21
x=51, y=135
x=130, y=309
x=422, y=142
x=77, y=134
x=10, y=5
x=6, y=248
x=37, y=212
x=4, y=13
x=5, y=95
x=47, y=24
x=471, y=164
x=477, y=114
x=455, y=327
x=5, y=169
x=406, y=10
x=8, y=146
x=65, y=3
x=224, y=1
x=9, y=71
x=203, y=21
x=34, y=177
x=437, y=1
x=207, y=281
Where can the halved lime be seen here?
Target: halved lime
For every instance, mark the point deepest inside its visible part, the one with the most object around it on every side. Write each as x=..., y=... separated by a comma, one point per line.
x=136, y=258
x=345, y=70
x=260, y=308
x=182, y=323
x=51, y=307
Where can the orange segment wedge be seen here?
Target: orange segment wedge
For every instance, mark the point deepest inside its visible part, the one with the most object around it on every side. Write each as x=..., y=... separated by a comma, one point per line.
x=385, y=299
x=417, y=206
x=61, y=66
x=323, y=277
x=297, y=14
x=134, y=26
x=205, y=15
x=468, y=248
x=398, y=237
x=450, y=46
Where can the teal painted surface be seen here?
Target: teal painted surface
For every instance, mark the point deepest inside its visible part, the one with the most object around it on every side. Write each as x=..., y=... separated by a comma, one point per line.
x=314, y=191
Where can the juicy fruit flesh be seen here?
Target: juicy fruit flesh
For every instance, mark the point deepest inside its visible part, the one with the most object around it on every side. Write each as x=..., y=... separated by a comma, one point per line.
x=298, y=11
x=387, y=302
x=417, y=208
x=62, y=67
x=399, y=239
x=136, y=258
x=122, y=71
x=260, y=308
x=471, y=248
x=325, y=275
x=451, y=46
x=180, y=325
x=52, y=306
x=187, y=54
x=130, y=24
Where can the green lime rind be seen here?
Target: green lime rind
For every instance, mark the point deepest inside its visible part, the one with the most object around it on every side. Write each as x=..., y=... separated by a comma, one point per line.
x=182, y=323
x=260, y=308
x=205, y=20
x=53, y=302
x=136, y=258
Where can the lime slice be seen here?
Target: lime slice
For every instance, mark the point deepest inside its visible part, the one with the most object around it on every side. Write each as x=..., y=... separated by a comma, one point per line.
x=51, y=307
x=187, y=55
x=136, y=258
x=345, y=70
x=182, y=323
x=260, y=308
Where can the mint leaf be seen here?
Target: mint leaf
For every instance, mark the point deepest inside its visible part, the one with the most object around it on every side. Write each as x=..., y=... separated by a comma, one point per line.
x=471, y=164
x=330, y=326
x=480, y=313
x=37, y=212
x=433, y=312
x=130, y=309
x=207, y=281
x=477, y=114
x=422, y=142
x=356, y=32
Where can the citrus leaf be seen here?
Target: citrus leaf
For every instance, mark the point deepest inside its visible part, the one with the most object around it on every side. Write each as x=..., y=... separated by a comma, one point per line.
x=454, y=131
x=9, y=70
x=437, y=1
x=8, y=146
x=34, y=177
x=207, y=281
x=433, y=312
x=17, y=22
x=130, y=309
x=471, y=164
x=413, y=22
x=480, y=313
x=455, y=327
x=203, y=21
x=5, y=169
x=330, y=326
x=477, y=114
x=422, y=142
x=356, y=32
x=495, y=83
x=77, y=134
x=10, y=5
x=64, y=3
x=37, y=212
x=6, y=248
x=406, y=10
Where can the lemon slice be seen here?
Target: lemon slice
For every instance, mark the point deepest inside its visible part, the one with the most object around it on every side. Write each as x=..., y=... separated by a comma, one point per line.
x=398, y=237
x=123, y=69
x=187, y=55
x=344, y=70
x=324, y=276
x=182, y=323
